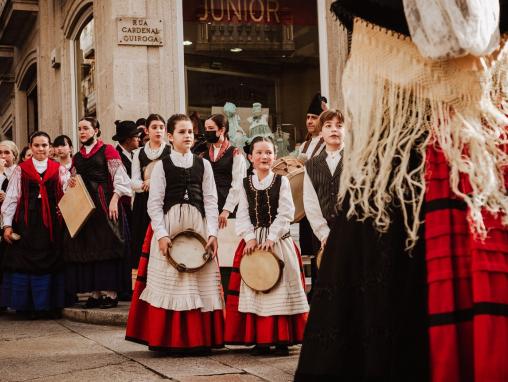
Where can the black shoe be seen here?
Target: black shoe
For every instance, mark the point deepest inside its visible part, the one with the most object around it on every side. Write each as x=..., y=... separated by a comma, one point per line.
x=92, y=303
x=260, y=350
x=108, y=302
x=281, y=350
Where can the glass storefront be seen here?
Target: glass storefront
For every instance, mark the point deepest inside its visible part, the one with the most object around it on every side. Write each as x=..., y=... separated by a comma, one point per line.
x=85, y=71
x=251, y=52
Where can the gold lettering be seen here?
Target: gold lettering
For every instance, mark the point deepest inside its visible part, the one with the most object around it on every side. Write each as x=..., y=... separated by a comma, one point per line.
x=204, y=17
x=213, y=9
x=275, y=10
x=261, y=13
x=236, y=9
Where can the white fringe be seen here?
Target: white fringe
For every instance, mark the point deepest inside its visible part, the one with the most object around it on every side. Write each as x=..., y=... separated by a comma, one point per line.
x=396, y=103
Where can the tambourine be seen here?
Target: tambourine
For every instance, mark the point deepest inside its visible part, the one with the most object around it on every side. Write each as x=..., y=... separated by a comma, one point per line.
x=188, y=252
x=261, y=270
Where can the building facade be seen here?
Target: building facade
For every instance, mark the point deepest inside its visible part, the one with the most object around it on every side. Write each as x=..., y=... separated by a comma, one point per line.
x=123, y=59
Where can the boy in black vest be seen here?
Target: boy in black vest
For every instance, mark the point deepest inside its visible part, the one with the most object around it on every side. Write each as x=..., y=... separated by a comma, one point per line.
x=322, y=176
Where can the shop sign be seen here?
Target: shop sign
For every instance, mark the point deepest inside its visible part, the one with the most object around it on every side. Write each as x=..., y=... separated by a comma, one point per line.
x=139, y=31
x=296, y=12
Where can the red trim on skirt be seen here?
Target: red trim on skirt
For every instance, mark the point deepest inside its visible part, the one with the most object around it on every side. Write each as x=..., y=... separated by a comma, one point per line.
x=467, y=285
x=251, y=329
x=162, y=329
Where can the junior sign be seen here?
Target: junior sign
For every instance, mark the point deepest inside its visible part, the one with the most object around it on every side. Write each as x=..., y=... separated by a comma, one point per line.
x=139, y=31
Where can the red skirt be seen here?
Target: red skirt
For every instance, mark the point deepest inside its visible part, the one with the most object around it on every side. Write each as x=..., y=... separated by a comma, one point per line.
x=251, y=329
x=467, y=285
x=168, y=330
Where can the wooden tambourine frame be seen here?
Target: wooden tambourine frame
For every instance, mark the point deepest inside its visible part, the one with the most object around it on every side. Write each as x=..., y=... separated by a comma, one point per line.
x=76, y=206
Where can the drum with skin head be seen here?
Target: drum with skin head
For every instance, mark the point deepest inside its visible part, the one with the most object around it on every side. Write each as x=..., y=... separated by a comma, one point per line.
x=261, y=270
x=293, y=169
x=188, y=253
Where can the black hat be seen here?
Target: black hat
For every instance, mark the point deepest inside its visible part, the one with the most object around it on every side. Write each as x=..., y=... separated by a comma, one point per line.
x=315, y=106
x=124, y=130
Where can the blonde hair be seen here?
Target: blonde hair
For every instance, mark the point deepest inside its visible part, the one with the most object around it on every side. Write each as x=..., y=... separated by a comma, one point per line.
x=13, y=148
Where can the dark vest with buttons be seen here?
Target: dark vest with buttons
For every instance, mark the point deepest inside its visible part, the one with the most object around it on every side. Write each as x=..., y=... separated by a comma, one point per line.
x=126, y=162
x=145, y=161
x=184, y=185
x=325, y=183
x=263, y=204
x=223, y=174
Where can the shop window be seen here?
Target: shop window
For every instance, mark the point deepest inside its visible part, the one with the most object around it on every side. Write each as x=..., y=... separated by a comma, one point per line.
x=251, y=52
x=85, y=70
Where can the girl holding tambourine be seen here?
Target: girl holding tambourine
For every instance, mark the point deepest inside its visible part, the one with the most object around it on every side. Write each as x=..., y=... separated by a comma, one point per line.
x=153, y=150
x=265, y=211
x=171, y=310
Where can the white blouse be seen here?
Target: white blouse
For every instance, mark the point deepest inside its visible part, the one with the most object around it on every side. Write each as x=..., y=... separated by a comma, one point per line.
x=14, y=189
x=158, y=190
x=121, y=181
x=311, y=201
x=239, y=172
x=285, y=211
x=312, y=146
x=8, y=171
x=137, y=179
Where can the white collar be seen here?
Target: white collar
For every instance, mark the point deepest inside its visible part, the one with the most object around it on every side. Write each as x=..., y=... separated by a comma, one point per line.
x=333, y=154
x=89, y=148
x=151, y=153
x=182, y=155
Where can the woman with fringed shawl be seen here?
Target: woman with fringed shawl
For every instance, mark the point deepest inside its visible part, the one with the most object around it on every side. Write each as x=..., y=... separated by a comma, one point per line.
x=33, y=273
x=414, y=280
x=97, y=257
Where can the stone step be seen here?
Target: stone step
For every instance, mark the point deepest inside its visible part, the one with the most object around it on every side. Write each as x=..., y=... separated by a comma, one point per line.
x=114, y=316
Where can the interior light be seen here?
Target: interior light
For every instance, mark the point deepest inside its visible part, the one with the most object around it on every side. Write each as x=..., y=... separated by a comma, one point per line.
x=236, y=50
x=187, y=43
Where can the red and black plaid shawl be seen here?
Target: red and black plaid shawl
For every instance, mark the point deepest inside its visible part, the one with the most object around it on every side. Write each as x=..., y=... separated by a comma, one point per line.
x=467, y=285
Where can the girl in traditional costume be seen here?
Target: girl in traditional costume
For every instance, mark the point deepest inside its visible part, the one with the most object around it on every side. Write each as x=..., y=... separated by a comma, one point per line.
x=265, y=211
x=153, y=150
x=33, y=277
x=96, y=257
x=9, y=154
x=228, y=164
x=171, y=310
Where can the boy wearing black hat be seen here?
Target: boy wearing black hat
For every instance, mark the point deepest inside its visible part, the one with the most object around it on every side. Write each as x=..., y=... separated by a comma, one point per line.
x=127, y=135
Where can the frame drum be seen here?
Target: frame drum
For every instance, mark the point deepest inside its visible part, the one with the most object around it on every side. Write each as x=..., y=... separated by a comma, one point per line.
x=261, y=270
x=188, y=252
x=293, y=169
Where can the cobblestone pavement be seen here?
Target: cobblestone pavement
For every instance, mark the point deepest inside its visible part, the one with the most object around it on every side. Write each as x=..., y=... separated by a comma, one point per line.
x=62, y=350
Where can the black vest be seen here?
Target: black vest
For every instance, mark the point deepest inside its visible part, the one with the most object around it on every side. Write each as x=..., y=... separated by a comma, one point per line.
x=263, y=204
x=184, y=185
x=325, y=184
x=126, y=162
x=145, y=161
x=223, y=174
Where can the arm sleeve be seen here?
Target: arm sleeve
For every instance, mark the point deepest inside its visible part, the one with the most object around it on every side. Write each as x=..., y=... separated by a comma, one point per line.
x=239, y=172
x=313, y=209
x=210, y=200
x=11, y=198
x=244, y=227
x=122, y=182
x=156, y=201
x=285, y=212
x=137, y=180
x=64, y=177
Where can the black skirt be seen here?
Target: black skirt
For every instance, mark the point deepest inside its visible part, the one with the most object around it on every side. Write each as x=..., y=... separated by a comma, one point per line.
x=36, y=253
x=140, y=222
x=368, y=315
